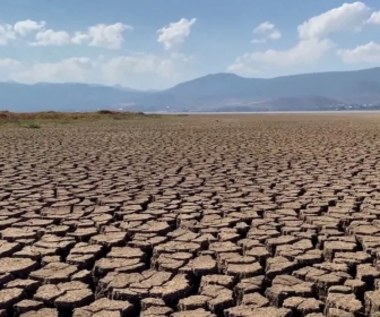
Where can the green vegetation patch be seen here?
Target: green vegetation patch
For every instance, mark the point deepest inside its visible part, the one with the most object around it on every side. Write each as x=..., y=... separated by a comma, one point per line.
x=30, y=124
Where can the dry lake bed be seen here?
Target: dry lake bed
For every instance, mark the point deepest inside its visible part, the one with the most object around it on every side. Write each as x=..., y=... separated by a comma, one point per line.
x=232, y=215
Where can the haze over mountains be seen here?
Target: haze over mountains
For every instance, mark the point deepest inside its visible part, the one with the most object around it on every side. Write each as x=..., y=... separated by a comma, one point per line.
x=218, y=92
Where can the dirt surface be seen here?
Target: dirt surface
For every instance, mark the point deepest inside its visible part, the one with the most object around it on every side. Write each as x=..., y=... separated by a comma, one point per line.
x=235, y=216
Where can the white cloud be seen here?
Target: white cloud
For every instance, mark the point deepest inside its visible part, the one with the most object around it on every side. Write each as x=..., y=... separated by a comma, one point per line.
x=137, y=70
x=175, y=33
x=349, y=16
x=374, y=18
x=304, y=53
x=51, y=37
x=6, y=34
x=313, y=45
x=107, y=36
x=80, y=38
x=101, y=35
x=10, y=32
x=75, y=69
x=25, y=27
x=265, y=31
x=140, y=63
x=143, y=70
x=367, y=54
x=181, y=57
x=7, y=67
x=8, y=63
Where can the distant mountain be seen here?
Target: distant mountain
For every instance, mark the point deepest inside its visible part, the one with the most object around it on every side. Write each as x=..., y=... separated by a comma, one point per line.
x=62, y=97
x=218, y=92
x=320, y=90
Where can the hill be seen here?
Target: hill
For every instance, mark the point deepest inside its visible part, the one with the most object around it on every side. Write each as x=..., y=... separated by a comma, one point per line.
x=217, y=92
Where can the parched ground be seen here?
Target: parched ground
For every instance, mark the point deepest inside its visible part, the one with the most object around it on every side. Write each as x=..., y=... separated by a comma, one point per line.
x=235, y=216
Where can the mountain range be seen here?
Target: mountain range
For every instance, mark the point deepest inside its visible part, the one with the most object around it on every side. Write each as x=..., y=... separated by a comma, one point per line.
x=218, y=92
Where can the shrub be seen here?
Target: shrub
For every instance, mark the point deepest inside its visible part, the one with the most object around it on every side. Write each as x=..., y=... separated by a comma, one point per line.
x=30, y=125
x=105, y=111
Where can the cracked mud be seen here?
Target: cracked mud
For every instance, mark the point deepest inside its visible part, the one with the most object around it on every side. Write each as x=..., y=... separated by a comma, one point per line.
x=206, y=216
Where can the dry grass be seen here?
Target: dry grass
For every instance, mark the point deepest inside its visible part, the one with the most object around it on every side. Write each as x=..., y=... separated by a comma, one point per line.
x=36, y=119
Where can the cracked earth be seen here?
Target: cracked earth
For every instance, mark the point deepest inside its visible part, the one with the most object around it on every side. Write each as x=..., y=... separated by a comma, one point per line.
x=205, y=216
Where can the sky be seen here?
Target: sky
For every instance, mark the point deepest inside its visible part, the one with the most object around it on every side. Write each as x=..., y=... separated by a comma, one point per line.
x=155, y=44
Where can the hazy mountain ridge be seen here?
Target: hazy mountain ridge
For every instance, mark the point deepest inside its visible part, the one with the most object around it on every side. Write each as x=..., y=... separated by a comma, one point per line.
x=217, y=92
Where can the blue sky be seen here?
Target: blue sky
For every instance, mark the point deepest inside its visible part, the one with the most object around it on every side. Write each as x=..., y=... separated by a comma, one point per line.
x=154, y=44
